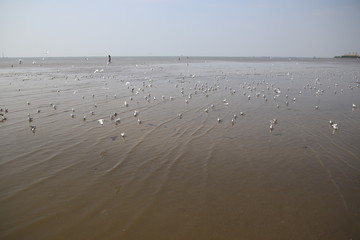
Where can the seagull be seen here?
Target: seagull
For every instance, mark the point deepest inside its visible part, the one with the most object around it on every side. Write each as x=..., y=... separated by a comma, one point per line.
x=274, y=121
x=218, y=120
x=84, y=118
x=32, y=128
x=242, y=113
x=91, y=112
x=232, y=121
x=72, y=109
x=117, y=121
x=316, y=107
x=235, y=116
x=126, y=104
x=353, y=106
x=180, y=115
x=72, y=115
x=28, y=103
x=206, y=110
x=333, y=125
x=101, y=121
x=139, y=121
x=136, y=113
x=38, y=111
x=2, y=118
x=122, y=134
x=30, y=119
x=271, y=127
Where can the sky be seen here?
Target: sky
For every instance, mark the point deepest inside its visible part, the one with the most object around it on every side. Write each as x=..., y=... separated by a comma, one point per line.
x=278, y=28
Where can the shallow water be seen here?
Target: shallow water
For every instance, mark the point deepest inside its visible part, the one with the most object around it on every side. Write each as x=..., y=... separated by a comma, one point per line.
x=180, y=178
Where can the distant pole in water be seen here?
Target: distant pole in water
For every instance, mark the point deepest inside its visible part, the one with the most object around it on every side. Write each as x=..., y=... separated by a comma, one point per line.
x=109, y=61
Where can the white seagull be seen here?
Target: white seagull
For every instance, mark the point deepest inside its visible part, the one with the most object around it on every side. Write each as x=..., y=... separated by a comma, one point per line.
x=101, y=121
x=274, y=121
x=32, y=128
x=2, y=118
x=117, y=121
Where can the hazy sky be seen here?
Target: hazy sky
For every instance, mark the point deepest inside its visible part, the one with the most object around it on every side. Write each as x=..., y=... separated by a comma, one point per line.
x=303, y=28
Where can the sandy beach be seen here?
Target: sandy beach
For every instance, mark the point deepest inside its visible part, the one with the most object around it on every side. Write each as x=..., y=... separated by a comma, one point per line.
x=212, y=148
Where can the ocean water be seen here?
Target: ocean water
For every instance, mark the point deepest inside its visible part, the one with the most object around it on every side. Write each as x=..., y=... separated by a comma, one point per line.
x=200, y=175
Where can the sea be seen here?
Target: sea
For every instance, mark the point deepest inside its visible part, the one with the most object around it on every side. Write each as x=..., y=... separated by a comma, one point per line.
x=179, y=148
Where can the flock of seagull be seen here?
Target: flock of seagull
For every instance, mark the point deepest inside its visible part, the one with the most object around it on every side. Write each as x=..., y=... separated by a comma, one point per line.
x=199, y=87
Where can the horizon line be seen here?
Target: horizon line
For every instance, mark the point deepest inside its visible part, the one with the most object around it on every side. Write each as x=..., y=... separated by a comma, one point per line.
x=176, y=56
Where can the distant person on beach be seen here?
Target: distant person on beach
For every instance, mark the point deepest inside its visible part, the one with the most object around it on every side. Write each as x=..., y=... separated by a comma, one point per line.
x=109, y=61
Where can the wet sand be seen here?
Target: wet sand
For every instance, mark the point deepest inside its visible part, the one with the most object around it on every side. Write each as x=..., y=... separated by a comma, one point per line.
x=188, y=177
